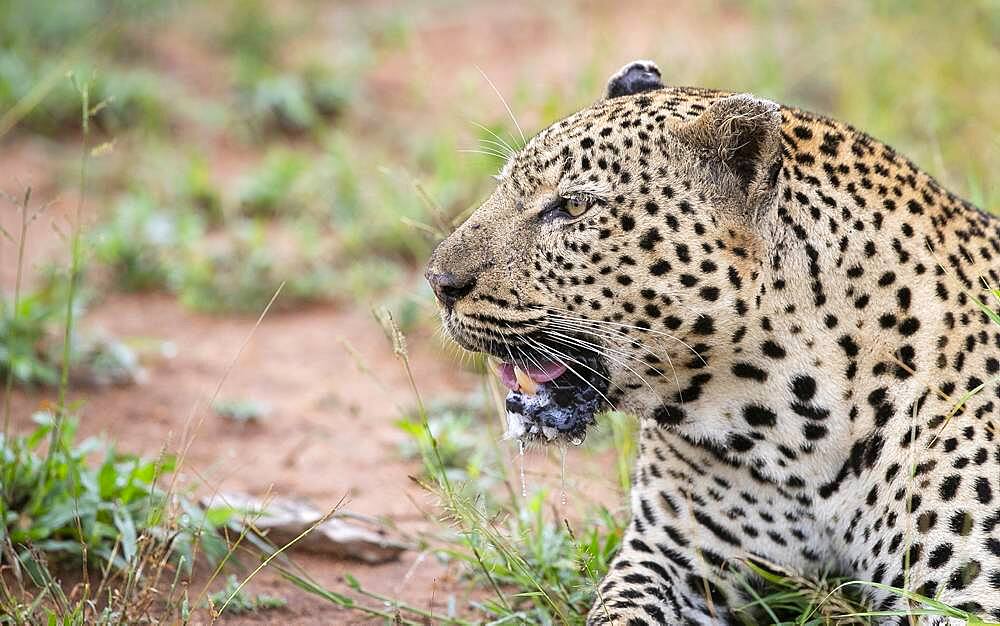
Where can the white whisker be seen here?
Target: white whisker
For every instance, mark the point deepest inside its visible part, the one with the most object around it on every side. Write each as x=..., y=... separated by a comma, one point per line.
x=578, y=325
x=486, y=152
x=631, y=326
x=498, y=138
x=502, y=147
x=506, y=106
x=545, y=349
x=602, y=351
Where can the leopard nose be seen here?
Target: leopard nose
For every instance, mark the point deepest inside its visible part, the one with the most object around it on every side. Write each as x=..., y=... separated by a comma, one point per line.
x=450, y=288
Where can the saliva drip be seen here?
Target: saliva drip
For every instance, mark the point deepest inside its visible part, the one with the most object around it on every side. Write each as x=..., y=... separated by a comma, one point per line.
x=524, y=484
x=562, y=475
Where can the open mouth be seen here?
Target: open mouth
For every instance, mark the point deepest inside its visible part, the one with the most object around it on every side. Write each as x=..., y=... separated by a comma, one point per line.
x=551, y=401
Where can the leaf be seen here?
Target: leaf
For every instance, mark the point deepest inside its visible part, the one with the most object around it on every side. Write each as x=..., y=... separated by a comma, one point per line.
x=126, y=526
x=220, y=515
x=40, y=433
x=107, y=479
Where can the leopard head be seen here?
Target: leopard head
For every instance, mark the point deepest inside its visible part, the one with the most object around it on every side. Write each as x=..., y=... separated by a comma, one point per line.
x=613, y=259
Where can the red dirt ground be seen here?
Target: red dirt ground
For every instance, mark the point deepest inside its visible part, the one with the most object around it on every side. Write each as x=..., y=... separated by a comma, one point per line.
x=330, y=434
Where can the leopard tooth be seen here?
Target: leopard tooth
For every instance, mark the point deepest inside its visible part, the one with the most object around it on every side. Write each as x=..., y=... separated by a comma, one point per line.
x=525, y=385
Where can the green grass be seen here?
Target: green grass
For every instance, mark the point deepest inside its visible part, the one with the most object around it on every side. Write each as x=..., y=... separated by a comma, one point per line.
x=275, y=97
x=58, y=501
x=118, y=519
x=133, y=98
x=293, y=103
x=467, y=456
x=237, y=601
x=785, y=597
x=241, y=270
x=31, y=341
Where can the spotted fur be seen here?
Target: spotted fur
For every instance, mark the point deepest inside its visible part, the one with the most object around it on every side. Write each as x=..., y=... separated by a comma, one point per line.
x=790, y=307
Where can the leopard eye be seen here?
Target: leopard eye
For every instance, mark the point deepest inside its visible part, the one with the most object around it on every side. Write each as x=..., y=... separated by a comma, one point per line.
x=568, y=208
x=576, y=207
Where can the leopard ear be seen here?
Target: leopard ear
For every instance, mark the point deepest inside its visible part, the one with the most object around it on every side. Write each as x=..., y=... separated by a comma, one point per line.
x=635, y=77
x=742, y=136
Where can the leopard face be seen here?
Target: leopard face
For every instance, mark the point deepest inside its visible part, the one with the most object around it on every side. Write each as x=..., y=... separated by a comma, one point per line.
x=616, y=244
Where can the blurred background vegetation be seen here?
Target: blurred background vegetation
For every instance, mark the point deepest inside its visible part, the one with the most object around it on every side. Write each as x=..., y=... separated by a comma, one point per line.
x=239, y=145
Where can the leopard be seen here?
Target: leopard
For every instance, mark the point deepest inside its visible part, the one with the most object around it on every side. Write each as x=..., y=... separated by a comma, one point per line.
x=801, y=319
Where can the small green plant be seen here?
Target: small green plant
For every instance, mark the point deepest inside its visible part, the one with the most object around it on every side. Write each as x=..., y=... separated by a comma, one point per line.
x=329, y=91
x=252, y=34
x=100, y=360
x=58, y=502
x=785, y=597
x=279, y=102
x=199, y=192
x=275, y=188
x=238, y=279
x=552, y=569
x=241, y=602
x=241, y=270
x=140, y=240
x=22, y=334
x=132, y=99
x=465, y=452
x=292, y=101
x=30, y=325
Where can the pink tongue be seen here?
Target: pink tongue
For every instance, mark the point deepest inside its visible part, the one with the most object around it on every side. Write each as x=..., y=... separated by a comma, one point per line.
x=545, y=373
x=540, y=374
x=507, y=377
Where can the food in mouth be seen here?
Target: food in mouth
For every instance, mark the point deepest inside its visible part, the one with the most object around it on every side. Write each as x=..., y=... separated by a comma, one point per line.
x=548, y=401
